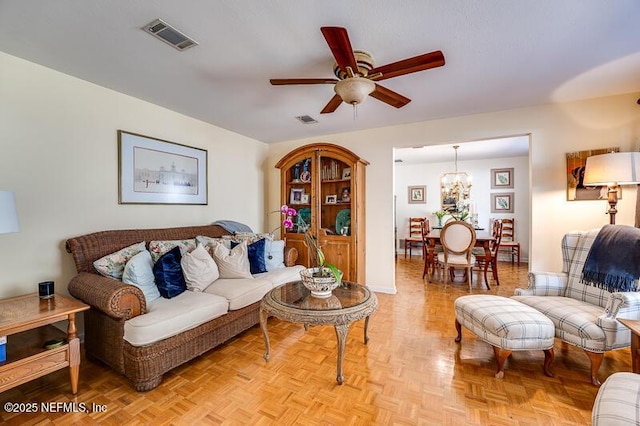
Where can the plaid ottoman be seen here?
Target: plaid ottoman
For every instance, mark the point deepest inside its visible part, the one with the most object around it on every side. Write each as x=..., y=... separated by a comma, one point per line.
x=507, y=325
x=618, y=401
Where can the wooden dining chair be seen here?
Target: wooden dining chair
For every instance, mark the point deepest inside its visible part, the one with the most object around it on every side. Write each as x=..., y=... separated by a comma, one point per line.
x=509, y=243
x=494, y=246
x=458, y=239
x=415, y=235
x=429, y=262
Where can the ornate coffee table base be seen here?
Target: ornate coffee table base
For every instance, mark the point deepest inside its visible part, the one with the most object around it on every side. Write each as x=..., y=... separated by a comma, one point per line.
x=340, y=318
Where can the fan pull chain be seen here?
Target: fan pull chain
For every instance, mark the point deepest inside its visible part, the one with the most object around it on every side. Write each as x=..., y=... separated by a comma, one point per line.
x=355, y=111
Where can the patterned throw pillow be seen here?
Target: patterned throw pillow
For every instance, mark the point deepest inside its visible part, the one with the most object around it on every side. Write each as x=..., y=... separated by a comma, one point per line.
x=199, y=269
x=139, y=272
x=112, y=265
x=249, y=237
x=158, y=248
x=209, y=242
x=168, y=274
x=232, y=263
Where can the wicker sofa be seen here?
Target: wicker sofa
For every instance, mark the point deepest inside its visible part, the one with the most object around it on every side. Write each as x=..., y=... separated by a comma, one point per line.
x=113, y=303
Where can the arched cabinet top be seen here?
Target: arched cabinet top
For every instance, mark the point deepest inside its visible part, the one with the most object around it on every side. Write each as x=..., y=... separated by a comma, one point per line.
x=328, y=148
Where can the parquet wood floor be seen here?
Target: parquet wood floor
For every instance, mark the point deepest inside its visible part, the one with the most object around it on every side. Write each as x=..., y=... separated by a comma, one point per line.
x=411, y=373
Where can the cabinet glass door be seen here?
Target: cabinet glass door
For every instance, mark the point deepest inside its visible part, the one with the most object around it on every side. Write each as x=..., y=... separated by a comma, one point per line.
x=335, y=197
x=299, y=179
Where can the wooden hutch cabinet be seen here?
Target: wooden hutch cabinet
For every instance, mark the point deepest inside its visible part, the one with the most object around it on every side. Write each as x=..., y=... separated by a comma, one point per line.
x=325, y=183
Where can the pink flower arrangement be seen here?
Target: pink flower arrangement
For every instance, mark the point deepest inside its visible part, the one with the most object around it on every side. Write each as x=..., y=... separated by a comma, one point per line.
x=288, y=213
x=316, y=253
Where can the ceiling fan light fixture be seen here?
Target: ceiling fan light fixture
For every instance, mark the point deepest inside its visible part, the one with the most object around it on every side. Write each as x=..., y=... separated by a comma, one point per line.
x=354, y=90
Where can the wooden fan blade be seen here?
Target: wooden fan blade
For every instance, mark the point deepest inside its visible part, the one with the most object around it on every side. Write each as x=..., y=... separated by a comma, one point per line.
x=407, y=66
x=333, y=105
x=338, y=41
x=285, y=81
x=389, y=97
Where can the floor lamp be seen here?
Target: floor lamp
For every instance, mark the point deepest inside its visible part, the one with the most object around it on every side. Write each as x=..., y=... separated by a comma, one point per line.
x=8, y=213
x=612, y=170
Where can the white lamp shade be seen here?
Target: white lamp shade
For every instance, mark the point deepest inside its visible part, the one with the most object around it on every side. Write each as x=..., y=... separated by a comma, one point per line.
x=622, y=168
x=354, y=90
x=8, y=214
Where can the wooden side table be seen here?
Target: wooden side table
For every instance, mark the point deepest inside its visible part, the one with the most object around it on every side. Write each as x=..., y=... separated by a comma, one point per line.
x=634, y=326
x=26, y=321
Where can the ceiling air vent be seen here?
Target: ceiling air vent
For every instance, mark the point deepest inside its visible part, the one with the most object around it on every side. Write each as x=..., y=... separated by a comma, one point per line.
x=169, y=35
x=399, y=160
x=306, y=119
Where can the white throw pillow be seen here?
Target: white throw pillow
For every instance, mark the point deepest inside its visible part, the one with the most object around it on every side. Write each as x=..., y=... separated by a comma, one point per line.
x=199, y=269
x=232, y=263
x=139, y=272
x=274, y=254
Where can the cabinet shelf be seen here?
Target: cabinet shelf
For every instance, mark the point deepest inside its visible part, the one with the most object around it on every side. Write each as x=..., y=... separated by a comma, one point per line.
x=335, y=180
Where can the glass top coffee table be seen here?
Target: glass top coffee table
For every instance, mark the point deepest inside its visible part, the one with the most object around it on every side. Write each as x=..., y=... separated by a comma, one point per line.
x=293, y=302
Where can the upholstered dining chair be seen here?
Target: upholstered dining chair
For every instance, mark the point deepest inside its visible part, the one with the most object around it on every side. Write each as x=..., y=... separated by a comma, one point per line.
x=509, y=243
x=458, y=239
x=494, y=246
x=415, y=235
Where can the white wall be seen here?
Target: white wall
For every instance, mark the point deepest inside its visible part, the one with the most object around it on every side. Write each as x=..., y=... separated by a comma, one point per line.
x=58, y=144
x=555, y=130
x=480, y=170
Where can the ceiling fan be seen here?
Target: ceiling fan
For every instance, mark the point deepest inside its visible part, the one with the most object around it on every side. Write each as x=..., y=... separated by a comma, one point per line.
x=357, y=74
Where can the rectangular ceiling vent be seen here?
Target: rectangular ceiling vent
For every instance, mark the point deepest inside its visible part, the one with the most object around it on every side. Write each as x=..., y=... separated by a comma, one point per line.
x=169, y=35
x=399, y=160
x=306, y=119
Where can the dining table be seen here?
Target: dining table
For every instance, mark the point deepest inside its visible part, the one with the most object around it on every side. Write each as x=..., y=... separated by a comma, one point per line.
x=483, y=239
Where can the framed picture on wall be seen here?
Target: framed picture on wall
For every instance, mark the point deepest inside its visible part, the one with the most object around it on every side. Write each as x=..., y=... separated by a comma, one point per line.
x=155, y=171
x=502, y=203
x=418, y=194
x=502, y=178
x=576, y=162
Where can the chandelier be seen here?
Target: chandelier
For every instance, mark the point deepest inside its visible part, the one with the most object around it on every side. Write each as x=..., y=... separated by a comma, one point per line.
x=456, y=191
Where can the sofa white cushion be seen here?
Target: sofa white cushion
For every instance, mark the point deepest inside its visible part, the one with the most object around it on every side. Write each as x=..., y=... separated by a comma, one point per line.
x=240, y=292
x=139, y=272
x=282, y=276
x=199, y=269
x=232, y=263
x=169, y=317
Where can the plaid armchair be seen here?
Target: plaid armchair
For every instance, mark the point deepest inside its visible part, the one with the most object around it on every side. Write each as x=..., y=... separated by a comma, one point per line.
x=583, y=315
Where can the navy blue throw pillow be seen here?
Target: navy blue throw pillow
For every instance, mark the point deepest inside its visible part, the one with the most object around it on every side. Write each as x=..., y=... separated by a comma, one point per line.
x=255, y=251
x=168, y=274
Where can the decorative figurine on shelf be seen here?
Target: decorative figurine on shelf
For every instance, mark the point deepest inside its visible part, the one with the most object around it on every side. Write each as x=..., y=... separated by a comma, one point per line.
x=306, y=174
x=296, y=173
x=346, y=194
